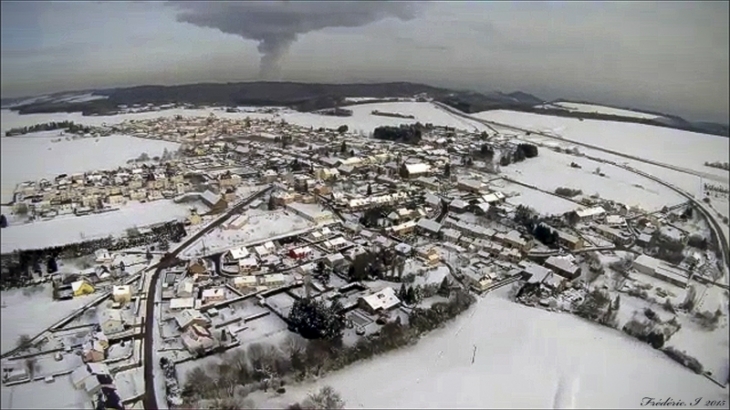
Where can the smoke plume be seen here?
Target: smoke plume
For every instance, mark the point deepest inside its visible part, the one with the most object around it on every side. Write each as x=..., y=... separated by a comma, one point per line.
x=276, y=25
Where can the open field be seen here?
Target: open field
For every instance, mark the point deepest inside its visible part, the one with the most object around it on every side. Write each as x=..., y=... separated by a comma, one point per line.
x=600, y=109
x=679, y=148
x=69, y=229
x=29, y=311
x=525, y=358
x=551, y=170
x=33, y=156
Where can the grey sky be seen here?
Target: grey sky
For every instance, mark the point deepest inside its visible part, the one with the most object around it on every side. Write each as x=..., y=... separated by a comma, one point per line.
x=670, y=56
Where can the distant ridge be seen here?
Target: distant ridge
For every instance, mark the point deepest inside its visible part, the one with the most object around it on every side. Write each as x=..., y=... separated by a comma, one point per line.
x=309, y=97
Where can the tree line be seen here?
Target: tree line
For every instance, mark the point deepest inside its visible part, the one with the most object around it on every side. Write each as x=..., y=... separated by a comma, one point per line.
x=269, y=367
x=406, y=134
x=69, y=126
x=16, y=266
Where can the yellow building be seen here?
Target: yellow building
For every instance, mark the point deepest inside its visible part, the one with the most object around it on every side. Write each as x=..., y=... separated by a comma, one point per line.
x=195, y=219
x=82, y=287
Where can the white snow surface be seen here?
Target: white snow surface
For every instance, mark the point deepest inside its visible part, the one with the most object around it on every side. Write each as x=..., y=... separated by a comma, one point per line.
x=34, y=156
x=361, y=120
x=665, y=145
x=261, y=225
x=539, y=201
x=30, y=313
x=69, y=229
x=600, y=109
x=525, y=358
x=551, y=170
x=60, y=394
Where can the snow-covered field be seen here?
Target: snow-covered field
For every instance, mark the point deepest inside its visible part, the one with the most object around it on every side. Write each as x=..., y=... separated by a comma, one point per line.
x=361, y=120
x=261, y=225
x=600, y=109
x=550, y=170
x=66, y=97
x=666, y=145
x=60, y=394
x=34, y=156
x=539, y=201
x=29, y=311
x=69, y=229
x=525, y=358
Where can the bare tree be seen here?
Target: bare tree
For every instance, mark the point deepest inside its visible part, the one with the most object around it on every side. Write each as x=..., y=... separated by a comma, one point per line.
x=24, y=342
x=326, y=398
x=232, y=403
x=32, y=365
x=690, y=300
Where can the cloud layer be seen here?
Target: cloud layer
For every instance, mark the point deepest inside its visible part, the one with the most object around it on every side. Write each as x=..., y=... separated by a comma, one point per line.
x=275, y=25
x=664, y=56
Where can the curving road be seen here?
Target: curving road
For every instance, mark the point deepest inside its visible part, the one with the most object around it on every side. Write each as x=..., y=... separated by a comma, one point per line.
x=169, y=260
x=714, y=224
x=704, y=175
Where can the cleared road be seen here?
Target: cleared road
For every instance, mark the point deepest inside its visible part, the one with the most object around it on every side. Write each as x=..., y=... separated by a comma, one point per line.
x=150, y=397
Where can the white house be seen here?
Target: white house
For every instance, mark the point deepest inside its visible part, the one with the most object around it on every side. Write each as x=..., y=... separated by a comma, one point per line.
x=189, y=317
x=214, y=295
x=381, y=301
x=273, y=280
x=122, y=294
x=245, y=282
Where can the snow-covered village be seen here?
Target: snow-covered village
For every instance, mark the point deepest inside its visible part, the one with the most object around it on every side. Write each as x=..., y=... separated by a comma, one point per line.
x=261, y=258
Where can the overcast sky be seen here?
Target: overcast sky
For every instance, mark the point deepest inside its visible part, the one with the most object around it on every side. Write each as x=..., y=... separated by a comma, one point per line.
x=669, y=56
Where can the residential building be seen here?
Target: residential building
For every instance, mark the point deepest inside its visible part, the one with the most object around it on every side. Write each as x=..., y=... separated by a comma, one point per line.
x=122, y=294
x=429, y=254
x=334, y=260
x=428, y=227
x=245, y=282
x=273, y=280
x=662, y=270
x=470, y=185
x=533, y=272
x=590, y=213
x=248, y=264
x=182, y=303
x=198, y=339
x=82, y=287
x=569, y=241
x=412, y=171
x=213, y=295
x=458, y=206
x=189, y=317
x=563, y=267
x=310, y=212
x=614, y=235
x=185, y=288
x=378, y=302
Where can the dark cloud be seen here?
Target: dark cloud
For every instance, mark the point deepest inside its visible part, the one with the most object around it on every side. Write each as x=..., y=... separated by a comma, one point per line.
x=276, y=25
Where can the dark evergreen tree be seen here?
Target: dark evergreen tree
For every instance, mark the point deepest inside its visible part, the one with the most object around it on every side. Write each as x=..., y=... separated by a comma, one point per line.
x=51, y=266
x=444, y=288
x=314, y=320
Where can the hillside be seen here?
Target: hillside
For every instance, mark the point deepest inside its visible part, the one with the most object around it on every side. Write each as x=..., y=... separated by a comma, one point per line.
x=311, y=97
